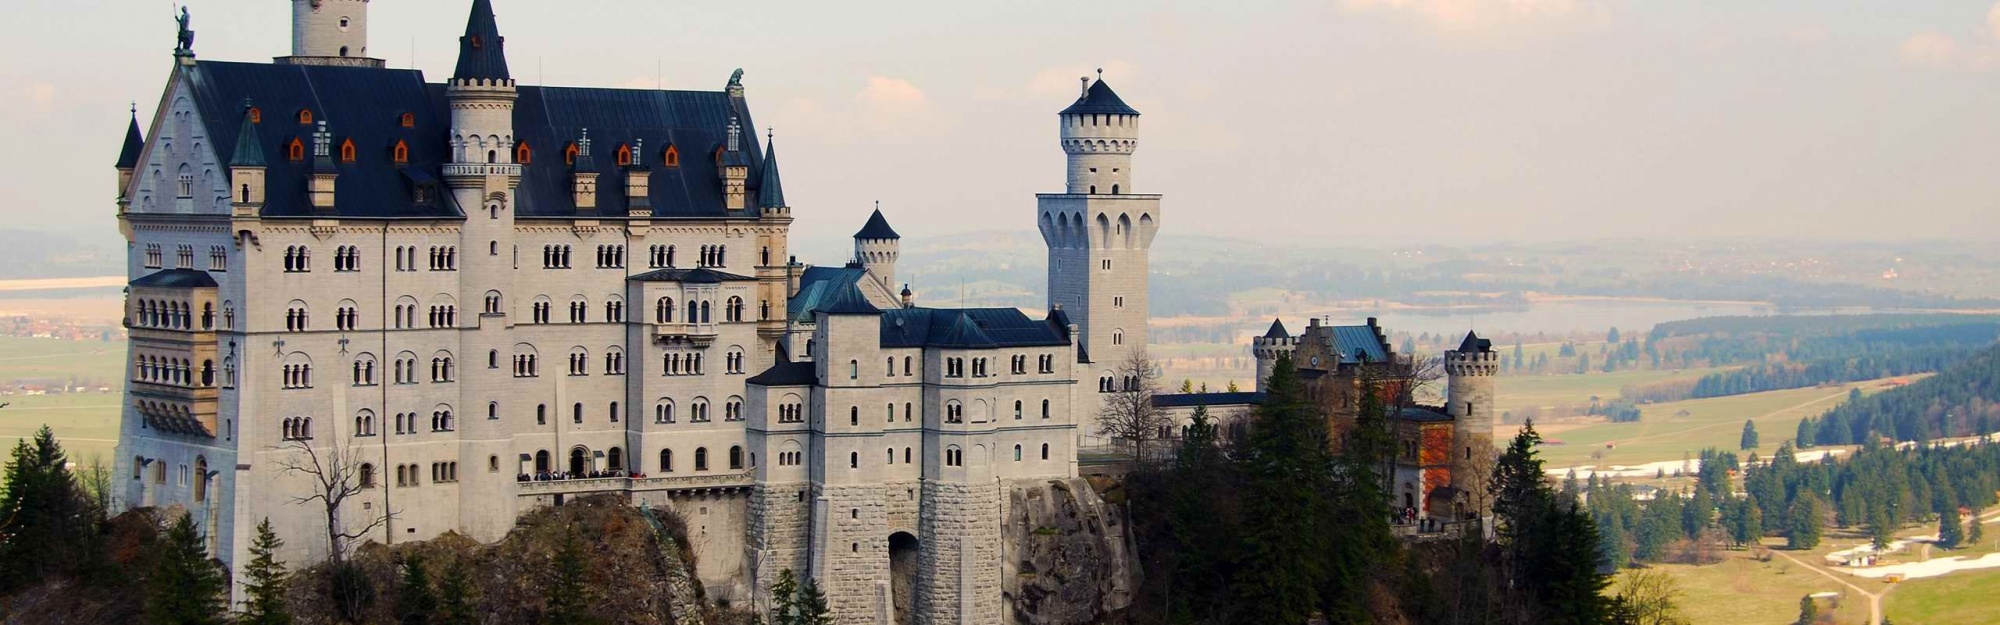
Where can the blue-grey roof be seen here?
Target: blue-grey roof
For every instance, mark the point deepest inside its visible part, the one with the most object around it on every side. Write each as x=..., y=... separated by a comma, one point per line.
x=482, y=52
x=1423, y=414
x=817, y=285
x=699, y=275
x=249, y=152
x=1188, y=400
x=877, y=228
x=1099, y=99
x=846, y=299
x=1475, y=345
x=969, y=328
x=128, y=156
x=1277, y=330
x=366, y=105
x=176, y=279
x=771, y=192
x=1356, y=343
x=787, y=374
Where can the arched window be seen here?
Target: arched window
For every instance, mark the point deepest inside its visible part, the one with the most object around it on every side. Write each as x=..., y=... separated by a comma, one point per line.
x=305, y=116
x=1017, y=410
x=409, y=120
x=1045, y=451
x=296, y=150
x=347, y=151
x=256, y=115
x=569, y=154
x=624, y=155
x=542, y=414
x=401, y=153
x=367, y=475
x=1017, y=453
x=666, y=461
x=522, y=153
x=701, y=458
x=736, y=457
x=853, y=460
x=1045, y=409
x=672, y=158
x=576, y=413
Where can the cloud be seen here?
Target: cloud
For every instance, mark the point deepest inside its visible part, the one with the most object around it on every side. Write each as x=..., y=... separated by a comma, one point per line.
x=41, y=97
x=1993, y=22
x=1466, y=15
x=892, y=95
x=1929, y=50
x=1060, y=82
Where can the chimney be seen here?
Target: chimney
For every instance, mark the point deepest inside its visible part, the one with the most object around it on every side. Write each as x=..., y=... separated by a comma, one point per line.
x=638, y=183
x=584, y=170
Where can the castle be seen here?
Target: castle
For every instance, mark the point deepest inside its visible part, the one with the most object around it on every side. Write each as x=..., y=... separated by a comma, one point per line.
x=361, y=305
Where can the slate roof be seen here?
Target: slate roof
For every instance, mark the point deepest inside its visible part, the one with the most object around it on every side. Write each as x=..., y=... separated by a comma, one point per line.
x=1354, y=343
x=482, y=52
x=771, y=192
x=1424, y=414
x=699, y=275
x=1277, y=330
x=176, y=279
x=817, y=285
x=366, y=105
x=787, y=374
x=969, y=328
x=128, y=156
x=877, y=228
x=249, y=152
x=1099, y=99
x=846, y=299
x=1188, y=400
x=1475, y=345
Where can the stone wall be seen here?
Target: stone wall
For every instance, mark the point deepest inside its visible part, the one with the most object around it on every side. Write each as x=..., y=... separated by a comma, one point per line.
x=778, y=519
x=958, y=581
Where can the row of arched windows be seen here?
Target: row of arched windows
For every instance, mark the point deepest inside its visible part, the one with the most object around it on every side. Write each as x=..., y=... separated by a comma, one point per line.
x=172, y=315
x=610, y=256
x=173, y=371
x=347, y=258
x=443, y=257
x=298, y=375
x=555, y=257
x=298, y=428
x=714, y=256
x=298, y=259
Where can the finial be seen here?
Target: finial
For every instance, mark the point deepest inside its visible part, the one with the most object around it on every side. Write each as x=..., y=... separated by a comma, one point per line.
x=583, y=145
x=639, y=152
x=135, y=107
x=878, y=205
x=1100, y=73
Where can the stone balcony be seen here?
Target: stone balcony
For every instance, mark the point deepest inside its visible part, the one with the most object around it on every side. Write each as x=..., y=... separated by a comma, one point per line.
x=479, y=170
x=699, y=335
x=709, y=481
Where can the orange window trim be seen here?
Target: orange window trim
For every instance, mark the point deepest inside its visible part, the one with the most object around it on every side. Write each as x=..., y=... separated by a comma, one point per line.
x=673, y=156
x=297, y=150
x=523, y=154
x=305, y=116
x=569, y=154
x=256, y=116
x=409, y=120
x=347, y=151
x=624, y=155
x=402, y=152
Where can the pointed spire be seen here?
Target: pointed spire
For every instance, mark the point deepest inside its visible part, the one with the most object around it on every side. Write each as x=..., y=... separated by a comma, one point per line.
x=771, y=192
x=128, y=157
x=481, y=52
x=877, y=227
x=249, y=151
x=1099, y=99
x=1277, y=330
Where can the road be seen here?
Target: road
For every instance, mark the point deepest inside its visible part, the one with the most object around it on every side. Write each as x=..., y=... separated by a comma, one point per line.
x=1874, y=599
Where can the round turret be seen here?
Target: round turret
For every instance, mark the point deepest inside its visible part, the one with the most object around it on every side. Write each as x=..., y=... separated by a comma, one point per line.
x=1099, y=133
x=330, y=28
x=1469, y=375
x=876, y=246
x=1275, y=343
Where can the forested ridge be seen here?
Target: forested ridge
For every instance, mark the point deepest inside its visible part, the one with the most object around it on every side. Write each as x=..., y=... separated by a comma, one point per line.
x=1963, y=399
x=1777, y=353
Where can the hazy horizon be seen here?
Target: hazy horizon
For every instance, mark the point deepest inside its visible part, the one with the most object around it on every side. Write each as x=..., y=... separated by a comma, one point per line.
x=1365, y=123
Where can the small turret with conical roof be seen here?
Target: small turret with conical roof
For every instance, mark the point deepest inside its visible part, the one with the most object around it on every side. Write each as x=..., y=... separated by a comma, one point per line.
x=128, y=156
x=1099, y=133
x=1275, y=342
x=247, y=167
x=482, y=52
x=771, y=191
x=876, y=247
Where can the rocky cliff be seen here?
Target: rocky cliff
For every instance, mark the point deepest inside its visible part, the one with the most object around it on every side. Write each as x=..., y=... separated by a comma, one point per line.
x=1067, y=555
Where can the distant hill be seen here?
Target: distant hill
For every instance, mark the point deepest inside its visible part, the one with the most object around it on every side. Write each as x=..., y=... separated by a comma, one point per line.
x=1963, y=399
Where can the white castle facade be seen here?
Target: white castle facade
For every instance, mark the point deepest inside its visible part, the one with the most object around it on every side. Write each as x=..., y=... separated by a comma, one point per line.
x=481, y=296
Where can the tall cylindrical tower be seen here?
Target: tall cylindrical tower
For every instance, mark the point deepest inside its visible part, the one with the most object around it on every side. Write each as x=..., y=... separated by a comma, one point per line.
x=330, y=28
x=1274, y=343
x=1099, y=134
x=1469, y=375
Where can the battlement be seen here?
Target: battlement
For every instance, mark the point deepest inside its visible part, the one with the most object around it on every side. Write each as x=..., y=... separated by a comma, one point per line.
x=1459, y=363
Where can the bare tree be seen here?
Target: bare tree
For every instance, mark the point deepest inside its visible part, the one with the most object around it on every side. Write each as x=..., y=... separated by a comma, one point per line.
x=1653, y=595
x=336, y=474
x=1128, y=413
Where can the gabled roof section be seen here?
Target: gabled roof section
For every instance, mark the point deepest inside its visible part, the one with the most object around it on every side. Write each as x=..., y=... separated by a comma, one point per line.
x=787, y=373
x=695, y=122
x=877, y=228
x=176, y=279
x=1189, y=400
x=249, y=153
x=1099, y=99
x=969, y=328
x=128, y=156
x=1474, y=345
x=847, y=300
x=482, y=51
x=690, y=276
x=1357, y=344
x=770, y=192
x=1277, y=330
x=816, y=287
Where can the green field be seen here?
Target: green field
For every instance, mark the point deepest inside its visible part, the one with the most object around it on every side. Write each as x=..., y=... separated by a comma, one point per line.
x=1667, y=431
x=1743, y=591
x=85, y=422
x=1545, y=391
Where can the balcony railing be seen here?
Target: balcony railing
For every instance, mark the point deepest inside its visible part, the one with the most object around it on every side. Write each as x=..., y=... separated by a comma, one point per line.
x=699, y=481
x=482, y=169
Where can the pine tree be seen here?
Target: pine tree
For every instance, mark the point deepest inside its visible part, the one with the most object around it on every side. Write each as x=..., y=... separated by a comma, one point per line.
x=1550, y=547
x=812, y=605
x=264, y=581
x=784, y=599
x=1951, y=530
x=1804, y=439
x=1803, y=526
x=1749, y=440
x=455, y=604
x=1978, y=533
x=1287, y=468
x=568, y=600
x=47, y=526
x=1808, y=611
x=414, y=599
x=186, y=587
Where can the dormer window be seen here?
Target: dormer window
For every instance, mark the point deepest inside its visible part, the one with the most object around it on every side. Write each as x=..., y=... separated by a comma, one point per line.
x=409, y=120
x=718, y=156
x=256, y=115
x=673, y=157
x=305, y=116
x=420, y=194
x=569, y=154
x=522, y=154
x=347, y=151
x=475, y=41
x=296, y=150
x=624, y=155
x=401, y=152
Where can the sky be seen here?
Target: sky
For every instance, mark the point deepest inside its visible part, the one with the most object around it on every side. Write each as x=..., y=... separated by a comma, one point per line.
x=1344, y=122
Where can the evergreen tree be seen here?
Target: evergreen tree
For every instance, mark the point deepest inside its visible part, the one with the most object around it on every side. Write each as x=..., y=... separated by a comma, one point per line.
x=1803, y=527
x=1978, y=533
x=264, y=581
x=784, y=599
x=185, y=587
x=1808, y=611
x=812, y=605
x=1804, y=439
x=414, y=599
x=1287, y=468
x=567, y=596
x=1951, y=531
x=1749, y=440
x=1550, y=547
x=1612, y=338
x=455, y=603
x=47, y=525
x=1200, y=505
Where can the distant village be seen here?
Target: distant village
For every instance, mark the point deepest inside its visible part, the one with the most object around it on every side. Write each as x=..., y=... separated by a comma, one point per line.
x=61, y=330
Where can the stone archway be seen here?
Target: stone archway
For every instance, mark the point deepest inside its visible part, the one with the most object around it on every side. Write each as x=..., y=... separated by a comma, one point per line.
x=903, y=576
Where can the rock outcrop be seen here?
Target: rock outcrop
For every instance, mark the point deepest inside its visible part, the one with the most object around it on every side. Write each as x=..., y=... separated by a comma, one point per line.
x=1068, y=555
